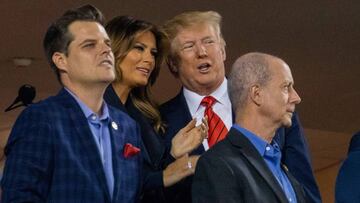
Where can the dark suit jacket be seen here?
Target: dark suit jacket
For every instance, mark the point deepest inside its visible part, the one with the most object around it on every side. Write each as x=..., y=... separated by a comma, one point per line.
x=348, y=179
x=52, y=156
x=234, y=171
x=153, y=149
x=295, y=153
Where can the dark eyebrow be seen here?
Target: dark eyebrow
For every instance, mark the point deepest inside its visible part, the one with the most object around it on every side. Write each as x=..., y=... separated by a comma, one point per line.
x=146, y=45
x=87, y=41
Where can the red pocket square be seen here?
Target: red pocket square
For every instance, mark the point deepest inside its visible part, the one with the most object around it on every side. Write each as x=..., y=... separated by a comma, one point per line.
x=130, y=150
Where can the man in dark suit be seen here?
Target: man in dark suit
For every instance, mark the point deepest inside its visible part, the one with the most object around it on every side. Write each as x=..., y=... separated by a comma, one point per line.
x=73, y=147
x=246, y=165
x=197, y=59
x=348, y=179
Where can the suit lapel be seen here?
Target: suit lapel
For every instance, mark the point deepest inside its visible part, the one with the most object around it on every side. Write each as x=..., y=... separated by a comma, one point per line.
x=300, y=195
x=125, y=170
x=86, y=139
x=149, y=137
x=112, y=99
x=257, y=161
x=181, y=109
x=117, y=142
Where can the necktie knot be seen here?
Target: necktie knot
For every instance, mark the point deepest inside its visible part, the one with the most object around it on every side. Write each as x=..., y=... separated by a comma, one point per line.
x=208, y=101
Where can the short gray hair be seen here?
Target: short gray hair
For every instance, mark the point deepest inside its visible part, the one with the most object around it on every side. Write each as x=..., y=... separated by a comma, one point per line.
x=248, y=70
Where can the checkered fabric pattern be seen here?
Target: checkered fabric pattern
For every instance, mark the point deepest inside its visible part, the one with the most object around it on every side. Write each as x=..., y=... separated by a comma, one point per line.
x=52, y=156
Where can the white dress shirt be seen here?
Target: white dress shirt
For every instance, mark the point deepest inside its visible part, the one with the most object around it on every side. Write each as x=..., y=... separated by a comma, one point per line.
x=222, y=107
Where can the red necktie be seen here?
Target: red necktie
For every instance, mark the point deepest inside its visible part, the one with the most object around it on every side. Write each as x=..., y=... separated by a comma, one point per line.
x=217, y=129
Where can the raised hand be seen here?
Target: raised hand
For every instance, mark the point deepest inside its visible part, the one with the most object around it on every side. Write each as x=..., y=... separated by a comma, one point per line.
x=189, y=138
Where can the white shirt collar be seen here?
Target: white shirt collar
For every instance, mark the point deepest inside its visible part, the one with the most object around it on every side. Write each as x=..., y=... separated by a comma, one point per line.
x=193, y=99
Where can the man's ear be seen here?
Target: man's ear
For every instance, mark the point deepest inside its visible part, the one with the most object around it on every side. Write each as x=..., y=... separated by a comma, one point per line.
x=223, y=52
x=60, y=61
x=255, y=94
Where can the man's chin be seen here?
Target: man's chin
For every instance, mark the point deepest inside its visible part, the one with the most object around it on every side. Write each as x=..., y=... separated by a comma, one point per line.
x=109, y=79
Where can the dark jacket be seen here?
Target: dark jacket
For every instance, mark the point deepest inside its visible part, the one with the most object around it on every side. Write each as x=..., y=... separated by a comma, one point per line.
x=154, y=152
x=234, y=171
x=52, y=156
x=348, y=179
x=295, y=152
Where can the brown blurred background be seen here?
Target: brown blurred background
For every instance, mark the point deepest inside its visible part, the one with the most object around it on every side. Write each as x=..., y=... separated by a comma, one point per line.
x=318, y=39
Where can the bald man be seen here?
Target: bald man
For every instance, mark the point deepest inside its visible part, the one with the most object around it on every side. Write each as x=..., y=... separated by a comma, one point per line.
x=246, y=166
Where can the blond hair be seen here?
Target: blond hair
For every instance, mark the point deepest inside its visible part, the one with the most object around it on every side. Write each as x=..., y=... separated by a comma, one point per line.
x=173, y=26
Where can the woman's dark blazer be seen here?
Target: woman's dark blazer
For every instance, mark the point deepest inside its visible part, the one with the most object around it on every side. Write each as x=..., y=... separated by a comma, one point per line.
x=155, y=155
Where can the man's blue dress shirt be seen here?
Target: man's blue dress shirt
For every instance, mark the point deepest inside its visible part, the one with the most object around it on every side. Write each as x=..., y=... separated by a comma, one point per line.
x=100, y=130
x=272, y=156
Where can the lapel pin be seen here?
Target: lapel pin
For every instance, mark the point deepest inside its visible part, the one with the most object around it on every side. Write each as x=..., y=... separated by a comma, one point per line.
x=114, y=125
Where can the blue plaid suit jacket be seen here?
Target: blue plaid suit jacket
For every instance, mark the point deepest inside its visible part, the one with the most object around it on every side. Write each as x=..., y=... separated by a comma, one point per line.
x=52, y=156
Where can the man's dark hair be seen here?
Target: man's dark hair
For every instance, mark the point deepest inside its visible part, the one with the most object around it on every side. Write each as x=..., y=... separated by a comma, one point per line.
x=58, y=38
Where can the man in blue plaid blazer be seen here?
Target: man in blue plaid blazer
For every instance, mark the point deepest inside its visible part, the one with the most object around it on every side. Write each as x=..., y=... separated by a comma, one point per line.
x=73, y=147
